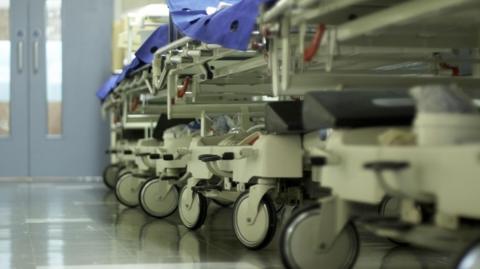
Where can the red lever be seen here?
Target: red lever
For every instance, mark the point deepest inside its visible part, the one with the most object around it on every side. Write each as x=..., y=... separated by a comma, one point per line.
x=312, y=49
x=135, y=103
x=183, y=90
x=455, y=69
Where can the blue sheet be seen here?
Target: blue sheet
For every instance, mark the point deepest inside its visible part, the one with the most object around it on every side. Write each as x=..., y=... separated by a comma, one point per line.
x=143, y=56
x=132, y=66
x=157, y=39
x=107, y=87
x=230, y=27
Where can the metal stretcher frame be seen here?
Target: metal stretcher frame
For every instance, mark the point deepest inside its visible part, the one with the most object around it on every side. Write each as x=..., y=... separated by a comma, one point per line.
x=368, y=44
x=360, y=48
x=156, y=95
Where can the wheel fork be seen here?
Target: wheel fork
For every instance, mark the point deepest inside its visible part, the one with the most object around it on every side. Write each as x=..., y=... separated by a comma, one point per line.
x=335, y=214
x=255, y=196
x=192, y=182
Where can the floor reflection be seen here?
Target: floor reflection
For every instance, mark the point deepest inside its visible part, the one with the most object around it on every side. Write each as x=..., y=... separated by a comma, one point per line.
x=407, y=257
x=77, y=224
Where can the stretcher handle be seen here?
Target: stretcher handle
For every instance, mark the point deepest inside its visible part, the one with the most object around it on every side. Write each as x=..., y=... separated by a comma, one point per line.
x=380, y=166
x=228, y=156
x=209, y=158
x=155, y=156
x=168, y=178
x=168, y=157
x=318, y=161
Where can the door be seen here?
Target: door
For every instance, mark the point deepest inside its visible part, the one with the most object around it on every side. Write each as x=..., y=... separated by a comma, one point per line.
x=66, y=55
x=13, y=88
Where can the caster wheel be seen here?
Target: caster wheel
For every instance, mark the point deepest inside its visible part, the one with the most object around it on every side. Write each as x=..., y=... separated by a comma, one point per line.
x=470, y=257
x=255, y=235
x=279, y=206
x=222, y=203
x=151, y=202
x=110, y=175
x=390, y=207
x=127, y=189
x=297, y=245
x=123, y=171
x=193, y=216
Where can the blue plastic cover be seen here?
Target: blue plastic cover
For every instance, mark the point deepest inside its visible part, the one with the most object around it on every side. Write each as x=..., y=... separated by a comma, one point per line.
x=107, y=87
x=144, y=55
x=230, y=27
x=157, y=39
x=132, y=66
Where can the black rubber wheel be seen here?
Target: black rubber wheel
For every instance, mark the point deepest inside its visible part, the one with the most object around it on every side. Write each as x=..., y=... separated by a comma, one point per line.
x=118, y=192
x=157, y=212
x=122, y=172
x=266, y=217
x=110, y=175
x=194, y=217
x=469, y=257
x=292, y=242
x=389, y=210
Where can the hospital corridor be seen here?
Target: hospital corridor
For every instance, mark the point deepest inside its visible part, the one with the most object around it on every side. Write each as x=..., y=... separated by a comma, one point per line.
x=239, y=134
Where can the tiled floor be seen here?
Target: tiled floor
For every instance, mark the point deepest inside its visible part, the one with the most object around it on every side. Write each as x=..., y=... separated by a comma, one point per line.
x=78, y=224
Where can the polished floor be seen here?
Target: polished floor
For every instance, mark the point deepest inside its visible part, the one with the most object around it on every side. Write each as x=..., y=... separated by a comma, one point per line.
x=77, y=224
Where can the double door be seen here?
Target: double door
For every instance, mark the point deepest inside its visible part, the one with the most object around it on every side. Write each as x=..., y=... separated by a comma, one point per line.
x=53, y=56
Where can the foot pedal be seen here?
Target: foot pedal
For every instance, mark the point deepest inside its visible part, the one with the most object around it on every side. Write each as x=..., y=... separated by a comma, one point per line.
x=167, y=178
x=204, y=188
x=209, y=158
x=141, y=175
x=155, y=156
x=168, y=157
x=392, y=223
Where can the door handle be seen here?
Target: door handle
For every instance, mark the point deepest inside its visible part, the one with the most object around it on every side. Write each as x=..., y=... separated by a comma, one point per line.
x=36, y=51
x=36, y=60
x=20, y=51
x=20, y=56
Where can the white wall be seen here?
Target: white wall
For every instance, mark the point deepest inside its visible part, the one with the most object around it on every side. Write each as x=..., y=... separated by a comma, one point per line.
x=123, y=6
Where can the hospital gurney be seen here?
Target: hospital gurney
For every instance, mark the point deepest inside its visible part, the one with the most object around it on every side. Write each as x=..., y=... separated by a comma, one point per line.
x=364, y=164
x=144, y=168
x=299, y=46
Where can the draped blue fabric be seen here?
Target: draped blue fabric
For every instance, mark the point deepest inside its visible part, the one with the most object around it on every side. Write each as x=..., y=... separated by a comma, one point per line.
x=157, y=39
x=230, y=27
x=132, y=66
x=144, y=55
x=107, y=87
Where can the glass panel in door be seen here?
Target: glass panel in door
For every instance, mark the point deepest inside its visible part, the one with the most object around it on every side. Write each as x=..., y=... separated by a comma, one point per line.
x=4, y=68
x=53, y=36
